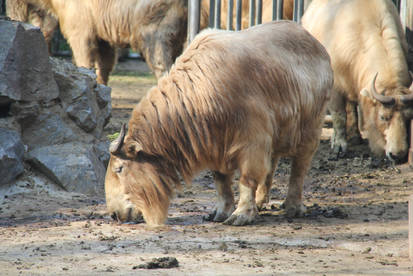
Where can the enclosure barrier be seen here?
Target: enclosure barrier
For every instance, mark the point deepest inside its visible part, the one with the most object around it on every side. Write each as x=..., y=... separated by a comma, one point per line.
x=255, y=14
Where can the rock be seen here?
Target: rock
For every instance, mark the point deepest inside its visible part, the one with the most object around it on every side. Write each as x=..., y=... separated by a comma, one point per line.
x=75, y=166
x=47, y=129
x=102, y=149
x=103, y=94
x=86, y=103
x=11, y=155
x=25, y=71
x=163, y=262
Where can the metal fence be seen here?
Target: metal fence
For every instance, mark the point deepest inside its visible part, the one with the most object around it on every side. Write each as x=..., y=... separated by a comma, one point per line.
x=255, y=13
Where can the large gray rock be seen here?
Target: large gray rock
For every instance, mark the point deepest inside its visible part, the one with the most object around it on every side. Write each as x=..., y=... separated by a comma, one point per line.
x=11, y=155
x=86, y=103
x=46, y=129
x=74, y=166
x=25, y=70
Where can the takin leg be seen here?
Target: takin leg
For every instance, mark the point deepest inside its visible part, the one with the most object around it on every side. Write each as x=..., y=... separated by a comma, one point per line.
x=262, y=196
x=84, y=50
x=353, y=133
x=293, y=204
x=253, y=172
x=337, y=107
x=105, y=60
x=225, y=203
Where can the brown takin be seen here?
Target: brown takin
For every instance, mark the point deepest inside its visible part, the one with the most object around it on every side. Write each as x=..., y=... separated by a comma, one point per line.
x=232, y=101
x=21, y=11
x=94, y=28
x=368, y=50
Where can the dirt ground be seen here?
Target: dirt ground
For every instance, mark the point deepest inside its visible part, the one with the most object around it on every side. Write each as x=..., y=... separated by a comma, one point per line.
x=356, y=224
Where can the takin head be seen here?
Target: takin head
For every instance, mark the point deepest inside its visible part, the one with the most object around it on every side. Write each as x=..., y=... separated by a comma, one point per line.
x=383, y=120
x=137, y=184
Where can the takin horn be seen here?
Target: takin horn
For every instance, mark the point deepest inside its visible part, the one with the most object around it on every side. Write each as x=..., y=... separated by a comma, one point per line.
x=117, y=143
x=387, y=100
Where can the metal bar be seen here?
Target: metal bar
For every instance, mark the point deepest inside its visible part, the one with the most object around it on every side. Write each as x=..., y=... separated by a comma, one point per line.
x=274, y=10
x=259, y=12
x=238, y=15
x=211, y=18
x=295, y=12
x=252, y=13
x=230, y=16
x=194, y=15
x=280, y=7
x=300, y=11
x=217, y=24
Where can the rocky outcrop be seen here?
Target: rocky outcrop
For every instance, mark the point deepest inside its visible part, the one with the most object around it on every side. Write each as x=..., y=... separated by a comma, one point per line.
x=53, y=114
x=11, y=155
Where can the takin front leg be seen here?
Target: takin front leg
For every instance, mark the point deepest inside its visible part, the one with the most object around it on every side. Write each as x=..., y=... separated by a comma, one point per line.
x=105, y=60
x=225, y=202
x=337, y=108
x=262, y=196
x=353, y=133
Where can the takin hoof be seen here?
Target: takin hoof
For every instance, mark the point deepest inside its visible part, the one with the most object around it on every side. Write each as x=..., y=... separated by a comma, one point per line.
x=261, y=204
x=239, y=220
x=339, y=147
x=216, y=216
x=294, y=211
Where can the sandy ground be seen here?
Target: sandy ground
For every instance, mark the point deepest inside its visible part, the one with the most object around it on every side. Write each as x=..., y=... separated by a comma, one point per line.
x=356, y=224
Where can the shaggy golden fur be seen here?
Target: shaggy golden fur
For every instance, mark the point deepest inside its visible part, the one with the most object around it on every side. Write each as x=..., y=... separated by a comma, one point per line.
x=93, y=28
x=232, y=101
x=19, y=10
x=364, y=38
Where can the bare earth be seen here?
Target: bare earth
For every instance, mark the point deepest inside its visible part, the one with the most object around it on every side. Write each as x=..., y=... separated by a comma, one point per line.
x=356, y=224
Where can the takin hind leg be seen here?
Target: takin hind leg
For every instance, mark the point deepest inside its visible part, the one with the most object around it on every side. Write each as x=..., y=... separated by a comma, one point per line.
x=225, y=202
x=84, y=50
x=105, y=60
x=262, y=196
x=337, y=108
x=253, y=172
x=293, y=204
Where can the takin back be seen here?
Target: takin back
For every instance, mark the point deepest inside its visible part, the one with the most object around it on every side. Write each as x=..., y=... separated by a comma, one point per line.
x=232, y=101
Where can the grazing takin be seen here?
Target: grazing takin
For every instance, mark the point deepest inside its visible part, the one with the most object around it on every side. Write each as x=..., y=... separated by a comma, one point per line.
x=94, y=28
x=232, y=101
x=368, y=50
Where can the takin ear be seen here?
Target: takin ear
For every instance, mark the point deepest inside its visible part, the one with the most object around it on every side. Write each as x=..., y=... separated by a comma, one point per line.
x=132, y=148
x=364, y=92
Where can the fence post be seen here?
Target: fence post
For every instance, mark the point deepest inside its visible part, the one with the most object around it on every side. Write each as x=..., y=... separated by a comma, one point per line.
x=259, y=12
x=2, y=7
x=252, y=13
x=217, y=24
x=238, y=15
x=280, y=9
x=230, y=13
x=193, y=16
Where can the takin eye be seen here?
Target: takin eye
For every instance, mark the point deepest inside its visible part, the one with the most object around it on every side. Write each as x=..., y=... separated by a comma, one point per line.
x=385, y=118
x=118, y=169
